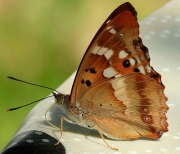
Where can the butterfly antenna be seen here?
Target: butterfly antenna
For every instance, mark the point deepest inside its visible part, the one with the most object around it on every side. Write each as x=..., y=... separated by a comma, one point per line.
x=32, y=83
x=28, y=104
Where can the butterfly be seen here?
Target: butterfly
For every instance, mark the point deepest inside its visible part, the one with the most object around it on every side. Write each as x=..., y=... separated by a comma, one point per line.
x=115, y=90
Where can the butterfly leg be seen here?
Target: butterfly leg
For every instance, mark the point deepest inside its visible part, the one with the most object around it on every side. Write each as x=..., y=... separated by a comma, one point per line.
x=105, y=140
x=47, y=119
x=61, y=129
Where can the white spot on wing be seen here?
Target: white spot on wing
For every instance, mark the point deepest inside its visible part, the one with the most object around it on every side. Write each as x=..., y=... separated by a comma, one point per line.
x=123, y=54
x=132, y=61
x=148, y=68
x=108, y=21
x=108, y=54
x=137, y=59
x=109, y=72
x=121, y=34
x=119, y=89
x=109, y=27
x=117, y=85
x=113, y=31
x=118, y=75
x=102, y=51
x=141, y=68
x=96, y=49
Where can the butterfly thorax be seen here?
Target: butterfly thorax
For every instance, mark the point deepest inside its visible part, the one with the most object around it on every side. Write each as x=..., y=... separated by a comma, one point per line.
x=73, y=113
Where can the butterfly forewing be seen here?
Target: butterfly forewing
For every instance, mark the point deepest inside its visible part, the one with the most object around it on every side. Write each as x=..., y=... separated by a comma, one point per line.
x=116, y=50
x=81, y=83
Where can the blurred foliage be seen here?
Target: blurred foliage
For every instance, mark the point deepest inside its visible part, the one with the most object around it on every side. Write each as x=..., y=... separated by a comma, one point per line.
x=43, y=42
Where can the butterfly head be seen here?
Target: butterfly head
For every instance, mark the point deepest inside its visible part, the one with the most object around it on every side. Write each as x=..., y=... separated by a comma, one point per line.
x=59, y=98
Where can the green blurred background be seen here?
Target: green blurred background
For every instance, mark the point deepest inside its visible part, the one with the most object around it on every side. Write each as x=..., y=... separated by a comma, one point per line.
x=43, y=42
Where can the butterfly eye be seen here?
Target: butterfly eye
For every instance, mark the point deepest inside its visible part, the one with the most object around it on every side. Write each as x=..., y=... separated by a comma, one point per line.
x=59, y=98
x=60, y=101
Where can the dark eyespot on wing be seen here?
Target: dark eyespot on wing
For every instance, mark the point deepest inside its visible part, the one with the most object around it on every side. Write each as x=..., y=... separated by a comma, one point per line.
x=136, y=70
x=135, y=44
x=92, y=70
x=146, y=53
x=126, y=63
x=88, y=83
x=82, y=81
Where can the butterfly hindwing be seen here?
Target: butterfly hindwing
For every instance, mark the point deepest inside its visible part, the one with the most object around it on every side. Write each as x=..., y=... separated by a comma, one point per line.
x=138, y=105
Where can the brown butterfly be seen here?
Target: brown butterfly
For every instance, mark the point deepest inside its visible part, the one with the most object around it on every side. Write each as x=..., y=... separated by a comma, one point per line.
x=116, y=91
